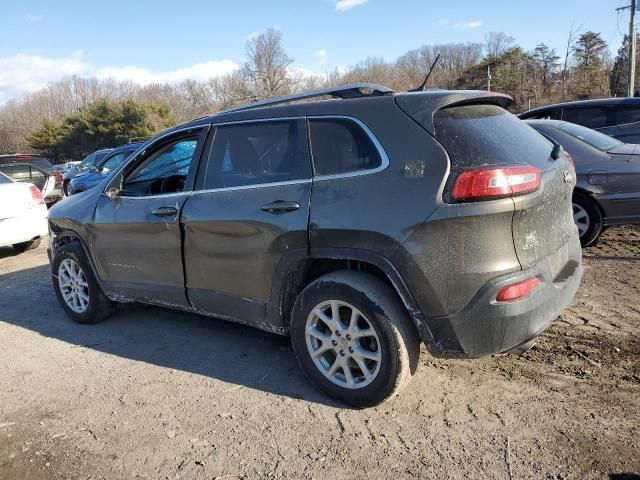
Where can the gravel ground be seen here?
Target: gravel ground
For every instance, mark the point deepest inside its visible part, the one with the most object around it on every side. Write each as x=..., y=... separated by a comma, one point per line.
x=151, y=393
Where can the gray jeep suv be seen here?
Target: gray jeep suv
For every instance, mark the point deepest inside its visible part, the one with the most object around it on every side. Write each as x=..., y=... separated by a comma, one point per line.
x=358, y=226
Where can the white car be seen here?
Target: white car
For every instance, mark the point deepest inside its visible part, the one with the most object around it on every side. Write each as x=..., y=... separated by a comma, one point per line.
x=23, y=215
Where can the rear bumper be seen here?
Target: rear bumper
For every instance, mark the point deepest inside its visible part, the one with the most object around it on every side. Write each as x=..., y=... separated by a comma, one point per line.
x=24, y=228
x=486, y=327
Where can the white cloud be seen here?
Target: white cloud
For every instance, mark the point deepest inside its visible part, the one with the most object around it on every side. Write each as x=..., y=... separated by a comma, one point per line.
x=34, y=18
x=321, y=55
x=144, y=76
x=343, y=5
x=24, y=73
x=465, y=25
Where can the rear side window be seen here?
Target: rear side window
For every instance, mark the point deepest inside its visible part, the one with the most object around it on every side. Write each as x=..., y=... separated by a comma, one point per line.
x=257, y=153
x=592, y=117
x=624, y=114
x=595, y=139
x=341, y=146
x=477, y=135
x=4, y=179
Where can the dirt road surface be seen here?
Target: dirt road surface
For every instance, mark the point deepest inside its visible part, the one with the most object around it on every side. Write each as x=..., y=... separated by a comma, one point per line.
x=153, y=394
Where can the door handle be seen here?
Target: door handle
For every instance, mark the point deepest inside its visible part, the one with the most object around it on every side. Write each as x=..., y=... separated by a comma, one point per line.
x=280, y=206
x=165, y=212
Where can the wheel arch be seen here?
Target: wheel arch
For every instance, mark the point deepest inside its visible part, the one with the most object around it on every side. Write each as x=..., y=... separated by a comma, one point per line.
x=298, y=269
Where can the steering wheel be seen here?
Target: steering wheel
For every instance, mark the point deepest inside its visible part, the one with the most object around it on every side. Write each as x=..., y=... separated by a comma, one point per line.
x=172, y=183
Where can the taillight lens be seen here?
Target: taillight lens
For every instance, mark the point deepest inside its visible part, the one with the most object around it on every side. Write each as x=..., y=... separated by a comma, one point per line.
x=58, y=178
x=518, y=291
x=491, y=183
x=570, y=159
x=36, y=195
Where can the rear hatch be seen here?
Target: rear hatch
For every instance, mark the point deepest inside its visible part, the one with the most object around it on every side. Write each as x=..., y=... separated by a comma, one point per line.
x=483, y=136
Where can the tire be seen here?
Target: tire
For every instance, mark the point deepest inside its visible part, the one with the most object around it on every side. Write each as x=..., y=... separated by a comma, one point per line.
x=97, y=306
x=588, y=218
x=394, y=340
x=65, y=187
x=24, y=246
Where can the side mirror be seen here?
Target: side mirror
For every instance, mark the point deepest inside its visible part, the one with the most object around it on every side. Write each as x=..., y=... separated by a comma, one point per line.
x=112, y=193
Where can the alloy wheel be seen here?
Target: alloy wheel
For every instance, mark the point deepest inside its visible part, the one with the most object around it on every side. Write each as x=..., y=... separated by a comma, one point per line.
x=581, y=219
x=73, y=285
x=343, y=344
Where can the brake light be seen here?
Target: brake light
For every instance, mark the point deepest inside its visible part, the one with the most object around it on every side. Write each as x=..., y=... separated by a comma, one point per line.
x=36, y=195
x=23, y=156
x=518, y=291
x=491, y=183
x=570, y=159
x=58, y=178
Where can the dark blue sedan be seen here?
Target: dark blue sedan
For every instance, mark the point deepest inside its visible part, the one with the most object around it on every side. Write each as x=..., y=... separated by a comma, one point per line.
x=91, y=178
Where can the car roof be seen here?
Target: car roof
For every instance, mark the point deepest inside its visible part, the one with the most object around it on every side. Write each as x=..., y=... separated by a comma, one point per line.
x=597, y=102
x=432, y=99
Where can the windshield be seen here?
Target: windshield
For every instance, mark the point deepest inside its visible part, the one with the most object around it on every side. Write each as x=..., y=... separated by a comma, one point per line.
x=89, y=161
x=595, y=139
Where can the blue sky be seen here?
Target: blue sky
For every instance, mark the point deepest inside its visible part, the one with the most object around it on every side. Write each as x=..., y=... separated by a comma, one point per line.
x=167, y=41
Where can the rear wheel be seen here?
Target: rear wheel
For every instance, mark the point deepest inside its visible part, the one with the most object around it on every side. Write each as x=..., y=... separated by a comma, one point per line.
x=353, y=338
x=24, y=246
x=76, y=286
x=588, y=218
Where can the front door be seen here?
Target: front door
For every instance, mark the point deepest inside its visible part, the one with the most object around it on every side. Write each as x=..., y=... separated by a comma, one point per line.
x=136, y=231
x=251, y=209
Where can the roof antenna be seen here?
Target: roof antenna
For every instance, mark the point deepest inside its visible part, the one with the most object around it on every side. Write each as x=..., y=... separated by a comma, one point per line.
x=423, y=87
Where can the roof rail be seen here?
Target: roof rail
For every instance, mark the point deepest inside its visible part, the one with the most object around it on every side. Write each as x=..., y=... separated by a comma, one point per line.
x=354, y=90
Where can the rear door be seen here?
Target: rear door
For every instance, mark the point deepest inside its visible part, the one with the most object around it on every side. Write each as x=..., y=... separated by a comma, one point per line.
x=136, y=237
x=251, y=210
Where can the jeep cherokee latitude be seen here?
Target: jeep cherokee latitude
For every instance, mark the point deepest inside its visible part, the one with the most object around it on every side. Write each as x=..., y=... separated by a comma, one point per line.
x=359, y=226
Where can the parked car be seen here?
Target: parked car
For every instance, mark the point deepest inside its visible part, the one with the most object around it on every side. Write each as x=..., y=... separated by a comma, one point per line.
x=65, y=167
x=87, y=164
x=608, y=187
x=23, y=214
x=616, y=117
x=34, y=169
x=92, y=177
x=357, y=226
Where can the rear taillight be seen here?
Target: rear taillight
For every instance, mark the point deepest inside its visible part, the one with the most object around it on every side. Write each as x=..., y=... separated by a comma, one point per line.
x=570, y=159
x=36, y=195
x=58, y=178
x=491, y=183
x=518, y=291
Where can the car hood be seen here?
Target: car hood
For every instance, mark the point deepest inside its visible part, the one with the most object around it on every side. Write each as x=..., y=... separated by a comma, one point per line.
x=626, y=149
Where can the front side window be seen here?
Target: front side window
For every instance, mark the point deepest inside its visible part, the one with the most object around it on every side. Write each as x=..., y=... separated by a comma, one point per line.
x=341, y=146
x=625, y=114
x=257, y=153
x=114, y=162
x=592, y=117
x=164, y=170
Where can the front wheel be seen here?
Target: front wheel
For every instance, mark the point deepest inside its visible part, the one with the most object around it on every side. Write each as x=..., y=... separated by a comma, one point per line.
x=76, y=286
x=353, y=338
x=588, y=218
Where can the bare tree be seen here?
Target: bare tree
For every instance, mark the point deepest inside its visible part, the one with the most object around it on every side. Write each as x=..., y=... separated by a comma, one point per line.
x=267, y=65
x=496, y=43
x=573, y=33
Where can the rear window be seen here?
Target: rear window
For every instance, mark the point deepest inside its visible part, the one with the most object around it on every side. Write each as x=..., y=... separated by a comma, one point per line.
x=4, y=179
x=478, y=135
x=341, y=146
x=592, y=117
x=595, y=139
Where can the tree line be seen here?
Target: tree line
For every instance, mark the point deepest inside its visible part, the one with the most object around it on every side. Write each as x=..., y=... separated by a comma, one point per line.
x=72, y=117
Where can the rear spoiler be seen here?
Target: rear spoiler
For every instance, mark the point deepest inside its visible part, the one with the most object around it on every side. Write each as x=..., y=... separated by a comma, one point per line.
x=421, y=106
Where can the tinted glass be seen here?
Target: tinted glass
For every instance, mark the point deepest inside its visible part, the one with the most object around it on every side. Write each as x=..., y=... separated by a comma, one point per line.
x=114, y=162
x=341, y=146
x=592, y=117
x=256, y=153
x=477, y=135
x=595, y=139
x=89, y=161
x=164, y=170
x=22, y=173
x=624, y=114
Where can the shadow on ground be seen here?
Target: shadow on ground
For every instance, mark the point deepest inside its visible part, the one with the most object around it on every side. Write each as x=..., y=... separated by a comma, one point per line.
x=214, y=348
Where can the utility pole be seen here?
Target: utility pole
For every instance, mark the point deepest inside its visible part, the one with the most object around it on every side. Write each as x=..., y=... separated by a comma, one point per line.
x=631, y=74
